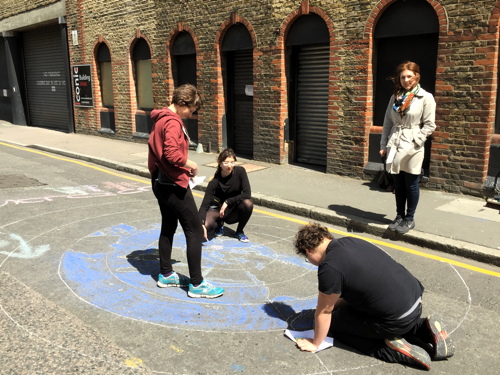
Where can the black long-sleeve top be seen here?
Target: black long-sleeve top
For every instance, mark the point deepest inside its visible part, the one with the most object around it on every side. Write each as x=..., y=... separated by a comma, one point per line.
x=232, y=189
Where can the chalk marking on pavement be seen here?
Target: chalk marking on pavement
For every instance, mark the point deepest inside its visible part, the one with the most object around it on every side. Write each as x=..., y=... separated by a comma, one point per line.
x=178, y=350
x=469, y=301
x=387, y=244
x=133, y=362
x=32, y=335
x=26, y=251
x=330, y=371
x=246, y=306
x=383, y=243
x=74, y=161
x=81, y=192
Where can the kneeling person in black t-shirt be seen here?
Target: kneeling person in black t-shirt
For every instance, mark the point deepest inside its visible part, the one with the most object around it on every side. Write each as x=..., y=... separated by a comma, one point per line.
x=369, y=301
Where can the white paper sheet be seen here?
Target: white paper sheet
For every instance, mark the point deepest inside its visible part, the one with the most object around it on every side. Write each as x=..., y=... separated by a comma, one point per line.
x=196, y=180
x=294, y=335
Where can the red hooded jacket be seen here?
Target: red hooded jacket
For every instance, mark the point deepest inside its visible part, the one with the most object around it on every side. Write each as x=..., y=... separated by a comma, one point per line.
x=168, y=146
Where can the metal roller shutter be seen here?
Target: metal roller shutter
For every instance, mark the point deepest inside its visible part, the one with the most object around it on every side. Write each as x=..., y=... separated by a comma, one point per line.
x=243, y=103
x=312, y=104
x=46, y=78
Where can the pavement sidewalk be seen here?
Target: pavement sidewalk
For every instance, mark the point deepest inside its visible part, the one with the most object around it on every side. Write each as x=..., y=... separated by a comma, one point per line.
x=457, y=224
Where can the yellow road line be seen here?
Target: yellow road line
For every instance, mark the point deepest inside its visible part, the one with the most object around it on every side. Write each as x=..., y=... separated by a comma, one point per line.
x=144, y=180
x=388, y=244
x=282, y=217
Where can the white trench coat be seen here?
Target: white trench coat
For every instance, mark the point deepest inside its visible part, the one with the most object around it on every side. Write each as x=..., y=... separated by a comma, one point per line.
x=403, y=137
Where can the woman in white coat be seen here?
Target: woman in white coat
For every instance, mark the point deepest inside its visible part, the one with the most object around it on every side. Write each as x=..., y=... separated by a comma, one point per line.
x=409, y=120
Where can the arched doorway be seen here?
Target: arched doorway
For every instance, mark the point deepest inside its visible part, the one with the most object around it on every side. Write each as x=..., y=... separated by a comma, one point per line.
x=237, y=53
x=308, y=51
x=399, y=37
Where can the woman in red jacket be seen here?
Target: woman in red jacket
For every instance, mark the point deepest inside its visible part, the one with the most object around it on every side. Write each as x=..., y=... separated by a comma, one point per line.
x=171, y=171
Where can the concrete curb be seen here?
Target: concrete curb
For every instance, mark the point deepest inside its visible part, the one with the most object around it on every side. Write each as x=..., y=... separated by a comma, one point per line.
x=128, y=168
x=352, y=223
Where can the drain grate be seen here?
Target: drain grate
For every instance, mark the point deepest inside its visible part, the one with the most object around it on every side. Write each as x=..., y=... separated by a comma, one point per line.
x=8, y=181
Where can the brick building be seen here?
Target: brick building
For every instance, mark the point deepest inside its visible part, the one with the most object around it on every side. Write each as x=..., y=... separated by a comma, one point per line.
x=283, y=81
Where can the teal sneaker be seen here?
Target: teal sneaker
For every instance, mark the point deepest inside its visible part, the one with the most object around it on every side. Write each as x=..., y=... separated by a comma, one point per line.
x=205, y=290
x=173, y=280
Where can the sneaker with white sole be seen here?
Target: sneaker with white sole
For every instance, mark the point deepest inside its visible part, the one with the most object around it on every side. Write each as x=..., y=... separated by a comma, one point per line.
x=409, y=354
x=173, y=280
x=205, y=290
x=396, y=223
x=443, y=347
x=405, y=226
x=242, y=237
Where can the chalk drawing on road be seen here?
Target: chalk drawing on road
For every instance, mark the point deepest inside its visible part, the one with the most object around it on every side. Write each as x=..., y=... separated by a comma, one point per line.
x=109, y=189
x=259, y=283
x=20, y=248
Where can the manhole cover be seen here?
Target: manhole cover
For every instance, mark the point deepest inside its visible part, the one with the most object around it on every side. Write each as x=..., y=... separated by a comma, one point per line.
x=17, y=181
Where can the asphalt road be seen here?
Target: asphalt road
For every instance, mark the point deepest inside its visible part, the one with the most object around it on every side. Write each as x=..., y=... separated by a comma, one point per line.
x=78, y=295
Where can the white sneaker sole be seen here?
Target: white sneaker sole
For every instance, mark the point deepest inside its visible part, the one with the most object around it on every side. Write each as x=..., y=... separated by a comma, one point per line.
x=196, y=295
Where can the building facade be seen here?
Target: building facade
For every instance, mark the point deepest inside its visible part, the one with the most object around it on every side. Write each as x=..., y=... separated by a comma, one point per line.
x=282, y=81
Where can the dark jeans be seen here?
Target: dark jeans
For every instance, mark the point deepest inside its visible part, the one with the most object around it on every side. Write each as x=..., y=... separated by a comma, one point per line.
x=367, y=334
x=237, y=214
x=407, y=194
x=178, y=205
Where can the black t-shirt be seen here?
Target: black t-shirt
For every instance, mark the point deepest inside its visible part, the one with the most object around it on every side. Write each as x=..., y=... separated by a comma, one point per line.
x=368, y=279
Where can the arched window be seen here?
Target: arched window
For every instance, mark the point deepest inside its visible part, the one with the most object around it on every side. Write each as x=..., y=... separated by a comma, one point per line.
x=143, y=75
x=184, y=71
x=399, y=38
x=107, y=114
x=105, y=76
x=184, y=59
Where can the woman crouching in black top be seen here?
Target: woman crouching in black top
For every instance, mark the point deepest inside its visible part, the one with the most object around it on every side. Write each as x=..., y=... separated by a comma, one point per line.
x=228, y=198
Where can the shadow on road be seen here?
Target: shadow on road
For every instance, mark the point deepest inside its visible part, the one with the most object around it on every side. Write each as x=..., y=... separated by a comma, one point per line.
x=297, y=321
x=147, y=262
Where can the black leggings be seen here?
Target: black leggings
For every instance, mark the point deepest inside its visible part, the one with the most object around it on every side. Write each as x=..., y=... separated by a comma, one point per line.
x=237, y=214
x=178, y=205
x=367, y=334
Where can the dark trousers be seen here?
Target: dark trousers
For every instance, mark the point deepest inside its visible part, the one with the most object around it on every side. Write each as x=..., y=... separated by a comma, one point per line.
x=178, y=205
x=367, y=334
x=237, y=214
x=407, y=194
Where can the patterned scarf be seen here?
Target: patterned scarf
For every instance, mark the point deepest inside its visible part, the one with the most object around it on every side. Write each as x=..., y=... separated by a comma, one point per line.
x=404, y=99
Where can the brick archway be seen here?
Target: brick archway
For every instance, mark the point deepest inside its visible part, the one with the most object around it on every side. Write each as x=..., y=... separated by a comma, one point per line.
x=333, y=138
x=370, y=26
x=216, y=58
x=181, y=26
x=382, y=5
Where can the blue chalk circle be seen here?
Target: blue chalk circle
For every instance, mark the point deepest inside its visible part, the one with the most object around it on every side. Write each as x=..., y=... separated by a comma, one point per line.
x=260, y=285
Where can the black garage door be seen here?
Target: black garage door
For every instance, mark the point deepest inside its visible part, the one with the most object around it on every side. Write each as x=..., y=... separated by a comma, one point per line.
x=46, y=78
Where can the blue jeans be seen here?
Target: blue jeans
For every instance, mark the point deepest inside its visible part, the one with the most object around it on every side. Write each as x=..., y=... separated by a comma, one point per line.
x=407, y=194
